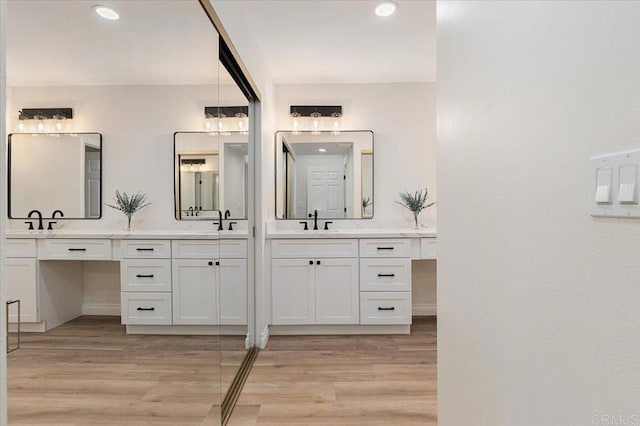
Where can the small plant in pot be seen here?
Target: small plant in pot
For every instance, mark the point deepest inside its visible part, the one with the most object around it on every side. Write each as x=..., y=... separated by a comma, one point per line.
x=415, y=202
x=366, y=202
x=129, y=205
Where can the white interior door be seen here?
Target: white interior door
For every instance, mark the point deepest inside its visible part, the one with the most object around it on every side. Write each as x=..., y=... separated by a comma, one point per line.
x=325, y=191
x=92, y=185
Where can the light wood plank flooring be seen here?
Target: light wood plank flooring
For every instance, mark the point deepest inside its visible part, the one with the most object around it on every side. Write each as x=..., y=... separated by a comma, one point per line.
x=89, y=372
x=344, y=380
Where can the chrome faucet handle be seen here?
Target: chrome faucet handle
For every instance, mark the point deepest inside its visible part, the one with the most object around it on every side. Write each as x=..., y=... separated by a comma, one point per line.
x=306, y=226
x=30, y=225
x=50, y=227
x=231, y=225
x=326, y=225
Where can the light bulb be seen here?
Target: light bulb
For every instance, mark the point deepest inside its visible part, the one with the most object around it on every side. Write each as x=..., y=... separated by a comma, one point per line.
x=21, y=126
x=315, y=116
x=208, y=122
x=241, y=116
x=295, y=122
x=40, y=125
x=336, y=116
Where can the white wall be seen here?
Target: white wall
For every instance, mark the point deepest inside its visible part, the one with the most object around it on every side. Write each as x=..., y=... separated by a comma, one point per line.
x=3, y=208
x=538, y=301
x=402, y=117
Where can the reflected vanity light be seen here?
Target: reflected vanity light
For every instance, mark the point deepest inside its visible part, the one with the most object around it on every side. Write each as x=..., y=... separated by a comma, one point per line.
x=106, y=13
x=225, y=119
x=322, y=150
x=44, y=120
x=312, y=117
x=386, y=8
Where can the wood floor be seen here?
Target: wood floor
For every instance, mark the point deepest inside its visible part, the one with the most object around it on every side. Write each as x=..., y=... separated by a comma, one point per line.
x=88, y=372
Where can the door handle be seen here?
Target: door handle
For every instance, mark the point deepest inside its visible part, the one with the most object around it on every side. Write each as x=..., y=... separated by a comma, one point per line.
x=146, y=309
x=380, y=308
x=386, y=275
x=77, y=249
x=144, y=276
x=144, y=249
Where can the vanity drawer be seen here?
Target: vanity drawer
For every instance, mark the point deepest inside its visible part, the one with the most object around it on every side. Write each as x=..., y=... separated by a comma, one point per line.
x=233, y=249
x=21, y=248
x=383, y=308
x=144, y=249
x=428, y=248
x=74, y=249
x=145, y=275
x=392, y=274
x=195, y=249
x=146, y=308
x=325, y=248
x=385, y=248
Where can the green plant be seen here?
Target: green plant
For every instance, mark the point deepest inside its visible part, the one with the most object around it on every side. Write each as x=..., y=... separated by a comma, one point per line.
x=415, y=202
x=129, y=204
x=366, y=202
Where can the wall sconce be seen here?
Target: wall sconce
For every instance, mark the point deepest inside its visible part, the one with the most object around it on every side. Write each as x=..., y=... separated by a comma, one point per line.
x=315, y=115
x=44, y=120
x=226, y=119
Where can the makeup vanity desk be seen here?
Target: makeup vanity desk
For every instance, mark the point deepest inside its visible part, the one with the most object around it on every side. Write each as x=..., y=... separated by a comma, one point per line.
x=171, y=282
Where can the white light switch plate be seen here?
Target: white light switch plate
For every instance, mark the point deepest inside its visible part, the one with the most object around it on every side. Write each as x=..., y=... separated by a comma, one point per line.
x=613, y=184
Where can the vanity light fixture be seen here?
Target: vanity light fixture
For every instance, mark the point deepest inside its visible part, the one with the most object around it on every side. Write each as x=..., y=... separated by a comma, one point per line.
x=106, y=13
x=311, y=117
x=386, y=8
x=44, y=120
x=222, y=120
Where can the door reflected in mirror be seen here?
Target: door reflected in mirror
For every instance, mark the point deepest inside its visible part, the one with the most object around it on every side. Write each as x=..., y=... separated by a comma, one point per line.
x=331, y=174
x=67, y=168
x=211, y=175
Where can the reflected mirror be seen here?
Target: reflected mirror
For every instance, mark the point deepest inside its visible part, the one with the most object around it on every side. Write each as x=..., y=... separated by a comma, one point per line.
x=211, y=175
x=328, y=173
x=68, y=169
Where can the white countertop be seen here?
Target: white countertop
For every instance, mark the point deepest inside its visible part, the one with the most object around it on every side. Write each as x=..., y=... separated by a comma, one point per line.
x=354, y=233
x=160, y=234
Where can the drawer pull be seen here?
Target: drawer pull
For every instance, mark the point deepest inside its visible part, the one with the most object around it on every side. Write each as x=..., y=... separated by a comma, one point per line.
x=144, y=276
x=144, y=249
x=386, y=275
x=146, y=309
x=380, y=308
x=77, y=249
x=385, y=248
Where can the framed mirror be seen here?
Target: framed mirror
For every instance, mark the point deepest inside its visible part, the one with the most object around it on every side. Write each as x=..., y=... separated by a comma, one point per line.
x=68, y=169
x=211, y=175
x=328, y=173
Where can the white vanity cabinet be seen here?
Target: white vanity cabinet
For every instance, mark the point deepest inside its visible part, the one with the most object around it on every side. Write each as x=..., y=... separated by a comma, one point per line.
x=312, y=283
x=22, y=280
x=195, y=291
x=385, y=281
x=145, y=282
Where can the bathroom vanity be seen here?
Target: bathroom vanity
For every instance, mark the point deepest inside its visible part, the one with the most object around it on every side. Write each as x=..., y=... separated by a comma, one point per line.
x=343, y=281
x=171, y=282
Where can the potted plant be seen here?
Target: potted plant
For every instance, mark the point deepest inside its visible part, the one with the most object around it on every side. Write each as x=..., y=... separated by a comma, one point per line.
x=129, y=205
x=415, y=202
x=366, y=202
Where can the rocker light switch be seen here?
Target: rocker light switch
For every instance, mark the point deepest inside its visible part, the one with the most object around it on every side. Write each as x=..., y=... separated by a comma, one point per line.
x=627, y=193
x=604, y=181
x=603, y=194
x=628, y=176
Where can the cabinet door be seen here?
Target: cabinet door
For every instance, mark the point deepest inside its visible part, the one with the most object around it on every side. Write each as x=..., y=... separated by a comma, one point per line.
x=292, y=291
x=337, y=291
x=22, y=284
x=233, y=291
x=195, y=292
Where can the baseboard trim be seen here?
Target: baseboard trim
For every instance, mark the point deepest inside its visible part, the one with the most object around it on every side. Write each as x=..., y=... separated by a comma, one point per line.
x=289, y=330
x=28, y=327
x=425, y=310
x=105, y=309
x=264, y=337
x=188, y=330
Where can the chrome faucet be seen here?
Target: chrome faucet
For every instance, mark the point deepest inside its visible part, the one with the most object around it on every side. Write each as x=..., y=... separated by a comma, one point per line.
x=227, y=213
x=315, y=219
x=53, y=216
x=40, y=226
x=190, y=213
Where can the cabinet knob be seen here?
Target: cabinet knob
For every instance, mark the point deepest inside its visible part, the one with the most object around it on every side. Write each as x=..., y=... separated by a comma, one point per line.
x=311, y=262
x=317, y=262
x=217, y=263
x=210, y=263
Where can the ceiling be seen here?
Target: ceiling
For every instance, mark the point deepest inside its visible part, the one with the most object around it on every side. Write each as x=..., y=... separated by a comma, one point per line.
x=331, y=41
x=63, y=42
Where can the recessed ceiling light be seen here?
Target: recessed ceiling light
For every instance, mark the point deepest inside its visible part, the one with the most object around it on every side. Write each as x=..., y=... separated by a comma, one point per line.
x=106, y=13
x=322, y=150
x=386, y=8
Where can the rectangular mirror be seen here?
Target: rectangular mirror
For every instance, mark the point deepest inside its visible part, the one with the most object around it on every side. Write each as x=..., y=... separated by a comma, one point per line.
x=211, y=175
x=67, y=168
x=328, y=173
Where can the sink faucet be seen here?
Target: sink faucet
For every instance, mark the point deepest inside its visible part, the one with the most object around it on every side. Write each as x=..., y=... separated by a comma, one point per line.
x=227, y=213
x=220, y=227
x=190, y=213
x=40, y=227
x=315, y=219
x=53, y=216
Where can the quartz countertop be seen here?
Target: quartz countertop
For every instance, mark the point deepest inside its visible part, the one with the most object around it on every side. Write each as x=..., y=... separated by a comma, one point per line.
x=354, y=233
x=143, y=234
